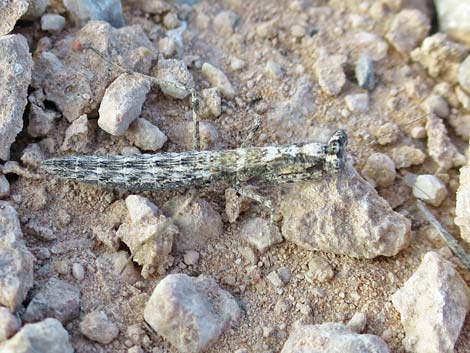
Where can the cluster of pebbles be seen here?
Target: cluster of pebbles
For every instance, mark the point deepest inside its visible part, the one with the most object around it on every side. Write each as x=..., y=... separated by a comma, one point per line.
x=353, y=267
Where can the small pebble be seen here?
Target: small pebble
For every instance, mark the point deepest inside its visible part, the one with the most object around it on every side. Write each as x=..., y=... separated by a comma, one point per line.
x=298, y=31
x=52, y=23
x=357, y=323
x=418, y=132
x=387, y=134
x=4, y=187
x=78, y=271
x=43, y=253
x=171, y=21
x=464, y=74
x=218, y=79
x=224, y=22
x=357, y=103
x=319, y=270
x=409, y=28
x=463, y=97
x=191, y=257
x=61, y=267
x=406, y=156
x=258, y=233
x=330, y=73
x=284, y=274
x=364, y=71
x=145, y=135
x=237, y=64
x=273, y=70
x=379, y=170
x=430, y=189
x=130, y=150
x=97, y=327
x=274, y=279
x=436, y=104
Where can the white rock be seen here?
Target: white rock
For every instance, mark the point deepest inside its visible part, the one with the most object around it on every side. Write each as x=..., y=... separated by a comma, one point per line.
x=175, y=78
x=4, y=187
x=274, y=279
x=453, y=18
x=379, y=170
x=191, y=257
x=130, y=150
x=331, y=337
x=319, y=270
x=212, y=103
x=237, y=64
x=9, y=324
x=218, y=79
x=273, y=70
x=48, y=336
x=16, y=268
x=10, y=12
x=358, y=103
x=199, y=225
x=83, y=11
x=145, y=135
x=357, y=323
x=405, y=156
x=77, y=135
x=367, y=43
x=330, y=73
x=15, y=66
x=462, y=207
x=52, y=22
x=436, y=104
x=57, y=299
x=409, y=28
x=260, y=234
x=224, y=23
x=343, y=215
x=189, y=312
x=140, y=207
x=430, y=189
x=122, y=103
x=432, y=305
x=464, y=72
x=78, y=271
x=41, y=121
x=97, y=327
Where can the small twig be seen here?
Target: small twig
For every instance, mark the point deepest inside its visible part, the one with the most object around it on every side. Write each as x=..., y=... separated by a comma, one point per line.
x=446, y=236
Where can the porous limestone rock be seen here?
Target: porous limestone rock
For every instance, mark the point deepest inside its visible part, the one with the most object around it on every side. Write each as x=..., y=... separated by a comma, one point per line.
x=10, y=12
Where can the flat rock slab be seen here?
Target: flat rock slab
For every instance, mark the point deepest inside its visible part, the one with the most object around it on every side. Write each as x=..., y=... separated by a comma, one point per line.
x=16, y=262
x=432, y=305
x=47, y=336
x=344, y=215
x=58, y=299
x=190, y=312
x=15, y=71
x=331, y=338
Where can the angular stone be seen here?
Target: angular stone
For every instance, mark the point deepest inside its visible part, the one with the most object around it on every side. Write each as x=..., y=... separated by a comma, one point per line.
x=330, y=73
x=48, y=336
x=432, y=305
x=409, y=28
x=57, y=299
x=97, y=327
x=430, y=189
x=15, y=71
x=83, y=11
x=453, y=18
x=218, y=79
x=77, y=136
x=189, y=312
x=332, y=337
x=10, y=12
x=260, y=234
x=145, y=135
x=344, y=215
x=379, y=170
x=16, y=266
x=176, y=80
x=140, y=207
x=9, y=324
x=462, y=207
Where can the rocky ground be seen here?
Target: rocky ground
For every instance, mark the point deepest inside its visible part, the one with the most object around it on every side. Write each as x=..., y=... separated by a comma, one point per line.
x=354, y=266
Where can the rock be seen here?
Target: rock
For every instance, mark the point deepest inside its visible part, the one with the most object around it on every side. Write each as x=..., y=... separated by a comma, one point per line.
x=364, y=71
x=130, y=150
x=259, y=233
x=15, y=70
x=319, y=270
x=77, y=136
x=97, y=327
x=78, y=271
x=189, y=312
x=140, y=208
x=273, y=70
x=182, y=135
x=52, y=23
x=436, y=104
x=9, y=324
x=145, y=135
x=32, y=155
x=267, y=29
x=77, y=81
x=35, y=9
x=440, y=56
x=406, y=156
x=357, y=323
x=464, y=73
x=432, y=305
x=445, y=90
x=368, y=226
x=357, y=103
x=149, y=236
x=48, y=336
x=461, y=125
x=409, y=28
x=330, y=73
x=387, y=134
x=4, y=187
x=367, y=43
x=117, y=263
x=440, y=147
x=171, y=21
x=82, y=11
x=57, y=299
x=379, y=170
x=462, y=207
x=284, y=274
x=418, y=132
x=122, y=103
x=175, y=79
x=212, y=103
x=453, y=20
x=39, y=231
x=237, y=64
x=199, y=224
x=298, y=31
x=16, y=268
x=10, y=12
x=155, y=6
x=167, y=47
x=430, y=189
x=218, y=80
x=41, y=121
x=332, y=337
x=224, y=23
x=274, y=279
x=191, y=257
x=463, y=97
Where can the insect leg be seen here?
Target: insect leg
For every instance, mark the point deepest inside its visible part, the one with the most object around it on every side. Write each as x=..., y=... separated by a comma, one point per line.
x=196, y=106
x=248, y=191
x=252, y=132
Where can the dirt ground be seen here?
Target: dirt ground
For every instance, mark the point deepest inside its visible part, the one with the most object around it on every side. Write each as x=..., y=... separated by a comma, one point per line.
x=72, y=209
